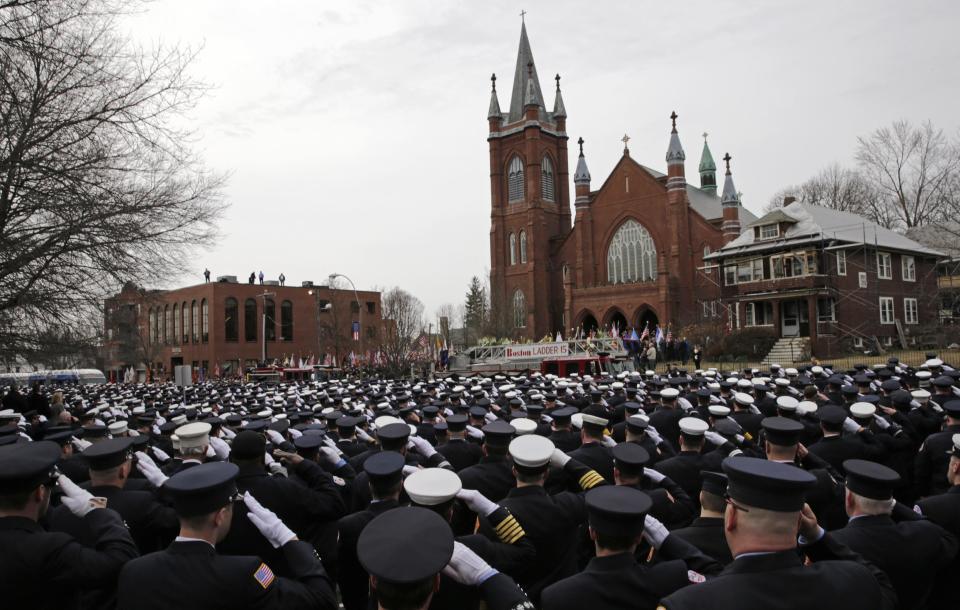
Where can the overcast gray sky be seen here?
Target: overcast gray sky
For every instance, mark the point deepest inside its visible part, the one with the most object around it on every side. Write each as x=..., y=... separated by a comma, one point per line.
x=355, y=131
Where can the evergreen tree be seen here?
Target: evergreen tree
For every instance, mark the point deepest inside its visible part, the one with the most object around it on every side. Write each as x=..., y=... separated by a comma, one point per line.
x=475, y=309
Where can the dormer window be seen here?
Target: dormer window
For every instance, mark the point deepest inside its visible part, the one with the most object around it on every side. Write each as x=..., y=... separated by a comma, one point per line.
x=770, y=231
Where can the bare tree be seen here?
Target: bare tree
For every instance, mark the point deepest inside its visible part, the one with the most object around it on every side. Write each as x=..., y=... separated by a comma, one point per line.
x=406, y=313
x=98, y=182
x=915, y=169
x=834, y=187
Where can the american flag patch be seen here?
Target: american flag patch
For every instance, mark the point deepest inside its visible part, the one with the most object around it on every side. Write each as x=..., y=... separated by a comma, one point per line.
x=264, y=575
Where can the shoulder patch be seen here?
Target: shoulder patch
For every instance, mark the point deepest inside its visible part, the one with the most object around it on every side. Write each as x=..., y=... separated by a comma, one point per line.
x=339, y=482
x=695, y=577
x=264, y=575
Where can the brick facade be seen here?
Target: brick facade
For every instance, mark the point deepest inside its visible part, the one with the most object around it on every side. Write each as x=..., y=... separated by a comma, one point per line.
x=321, y=319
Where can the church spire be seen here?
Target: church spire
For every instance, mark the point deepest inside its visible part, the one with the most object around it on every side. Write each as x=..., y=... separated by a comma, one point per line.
x=675, y=154
x=730, y=201
x=526, y=71
x=559, y=110
x=494, y=112
x=708, y=169
x=581, y=179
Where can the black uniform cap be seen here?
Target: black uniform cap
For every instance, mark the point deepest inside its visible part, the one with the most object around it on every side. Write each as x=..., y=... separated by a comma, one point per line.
x=385, y=544
x=782, y=431
x=498, y=433
x=478, y=412
x=395, y=431
x=457, y=423
x=109, y=453
x=308, y=443
x=832, y=415
x=952, y=407
x=849, y=390
x=257, y=425
x=25, y=466
x=714, y=483
x=203, y=489
x=61, y=437
x=384, y=465
x=617, y=510
x=630, y=457
x=870, y=480
x=95, y=431
x=248, y=445
x=347, y=422
x=943, y=381
x=563, y=414
x=767, y=485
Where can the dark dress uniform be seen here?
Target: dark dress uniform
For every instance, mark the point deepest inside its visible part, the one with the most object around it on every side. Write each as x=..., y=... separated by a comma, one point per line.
x=925, y=421
x=618, y=581
x=308, y=510
x=749, y=421
x=944, y=510
x=351, y=447
x=352, y=578
x=492, y=476
x=930, y=465
x=460, y=453
x=565, y=440
x=597, y=457
x=190, y=574
x=780, y=581
x=706, y=533
x=152, y=525
x=667, y=423
x=685, y=468
x=835, y=449
x=910, y=552
x=50, y=569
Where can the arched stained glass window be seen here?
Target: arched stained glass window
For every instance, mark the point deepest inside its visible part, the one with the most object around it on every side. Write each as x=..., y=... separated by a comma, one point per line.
x=231, y=323
x=519, y=309
x=515, y=180
x=547, y=182
x=513, y=249
x=523, y=246
x=632, y=256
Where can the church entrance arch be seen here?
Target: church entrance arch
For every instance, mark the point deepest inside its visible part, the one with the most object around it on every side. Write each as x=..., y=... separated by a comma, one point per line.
x=647, y=318
x=617, y=319
x=587, y=323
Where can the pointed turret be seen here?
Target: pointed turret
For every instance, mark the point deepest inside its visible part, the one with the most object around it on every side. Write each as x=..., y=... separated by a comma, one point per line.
x=675, y=152
x=559, y=110
x=730, y=200
x=708, y=169
x=581, y=178
x=494, y=111
x=526, y=72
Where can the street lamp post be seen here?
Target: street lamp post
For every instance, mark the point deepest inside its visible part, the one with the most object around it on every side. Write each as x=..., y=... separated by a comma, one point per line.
x=330, y=279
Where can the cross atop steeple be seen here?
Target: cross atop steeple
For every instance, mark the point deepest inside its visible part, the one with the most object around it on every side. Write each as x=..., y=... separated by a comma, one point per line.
x=557, y=78
x=493, y=81
x=726, y=158
x=523, y=16
x=705, y=134
x=626, y=140
x=580, y=142
x=673, y=117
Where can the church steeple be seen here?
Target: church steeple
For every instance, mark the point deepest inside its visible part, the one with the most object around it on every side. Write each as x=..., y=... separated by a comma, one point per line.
x=708, y=169
x=523, y=88
x=494, y=111
x=581, y=178
x=730, y=200
x=559, y=110
x=675, y=154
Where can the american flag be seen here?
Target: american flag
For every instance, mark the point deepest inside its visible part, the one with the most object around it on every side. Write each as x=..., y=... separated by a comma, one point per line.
x=646, y=331
x=669, y=335
x=356, y=331
x=422, y=342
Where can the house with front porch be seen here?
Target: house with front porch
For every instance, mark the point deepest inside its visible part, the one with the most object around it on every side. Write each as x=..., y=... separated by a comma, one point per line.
x=826, y=280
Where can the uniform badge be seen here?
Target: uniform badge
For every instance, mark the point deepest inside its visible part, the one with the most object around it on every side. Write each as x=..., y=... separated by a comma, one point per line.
x=338, y=481
x=695, y=577
x=264, y=575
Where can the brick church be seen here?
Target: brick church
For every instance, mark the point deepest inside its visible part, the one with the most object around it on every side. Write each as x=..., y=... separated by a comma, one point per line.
x=633, y=252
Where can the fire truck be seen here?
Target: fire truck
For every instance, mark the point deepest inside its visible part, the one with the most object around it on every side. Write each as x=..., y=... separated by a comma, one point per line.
x=562, y=358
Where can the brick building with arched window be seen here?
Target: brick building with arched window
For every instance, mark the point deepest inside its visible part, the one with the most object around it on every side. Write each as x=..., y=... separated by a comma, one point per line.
x=633, y=250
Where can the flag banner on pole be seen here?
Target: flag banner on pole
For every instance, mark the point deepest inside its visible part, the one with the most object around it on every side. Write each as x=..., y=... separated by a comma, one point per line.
x=356, y=331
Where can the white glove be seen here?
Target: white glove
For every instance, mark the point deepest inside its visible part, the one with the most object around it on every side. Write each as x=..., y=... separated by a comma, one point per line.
x=489, y=418
x=150, y=470
x=608, y=441
x=654, y=435
x=477, y=502
x=79, y=501
x=79, y=444
x=230, y=434
x=210, y=452
x=714, y=437
x=936, y=407
x=409, y=470
x=220, y=447
x=295, y=434
x=883, y=423
x=362, y=435
x=474, y=432
x=132, y=433
x=265, y=520
x=268, y=459
x=275, y=437
x=330, y=455
x=467, y=568
x=850, y=426
x=559, y=459
x=546, y=419
x=655, y=531
x=423, y=446
x=654, y=475
x=162, y=455
x=754, y=409
x=328, y=442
